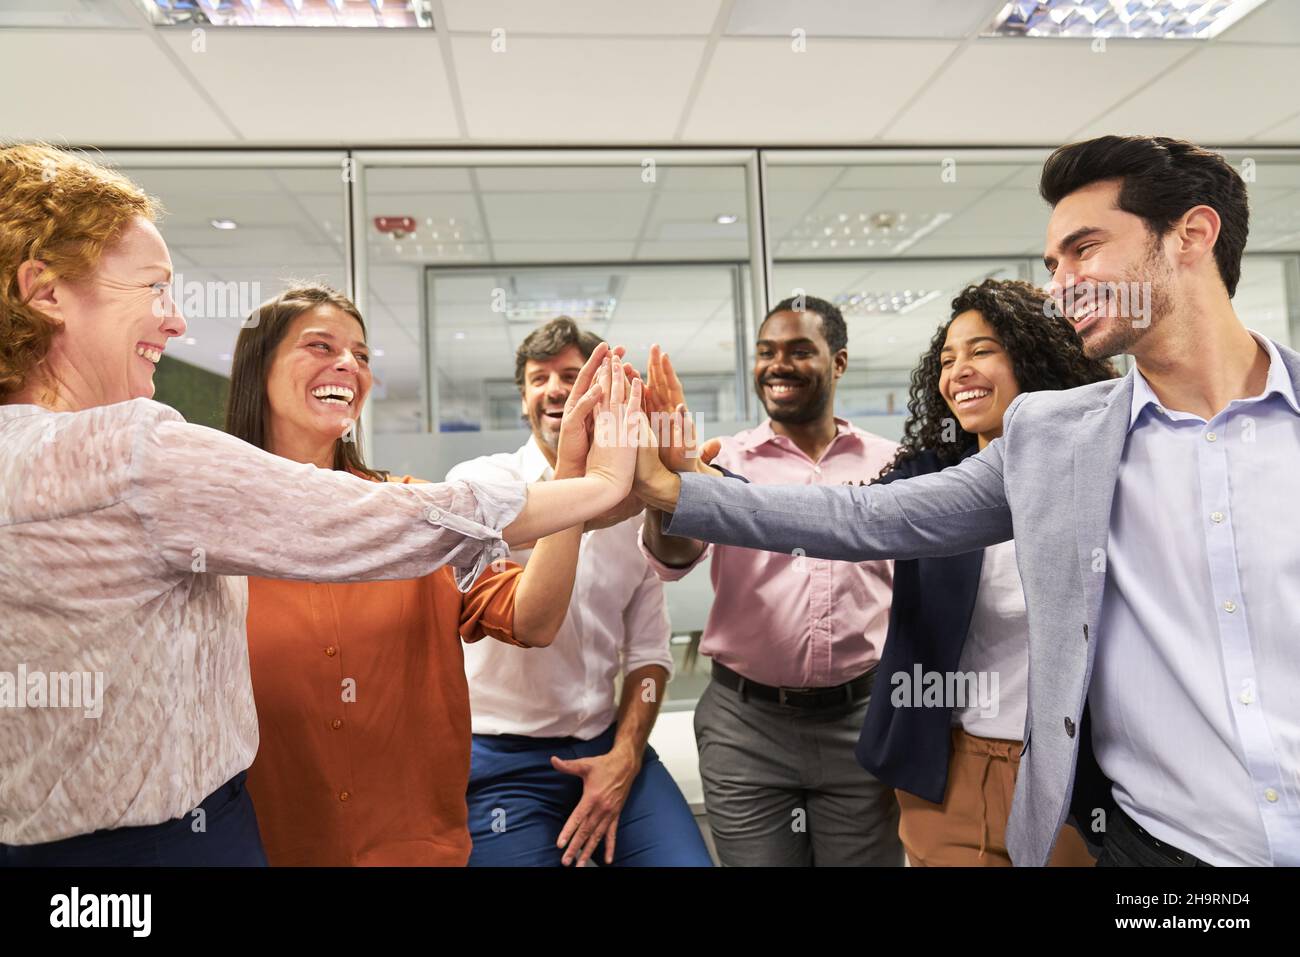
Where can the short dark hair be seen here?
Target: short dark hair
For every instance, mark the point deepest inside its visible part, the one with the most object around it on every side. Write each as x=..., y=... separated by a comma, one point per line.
x=1161, y=178
x=549, y=340
x=834, y=331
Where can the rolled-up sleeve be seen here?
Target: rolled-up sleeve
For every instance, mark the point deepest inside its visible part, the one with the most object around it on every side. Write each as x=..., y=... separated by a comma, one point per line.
x=646, y=629
x=487, y=610
x=211, y=502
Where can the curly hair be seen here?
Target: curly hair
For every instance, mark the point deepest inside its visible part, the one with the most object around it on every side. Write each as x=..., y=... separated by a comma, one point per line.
x=1046, y=353
x=63, y=211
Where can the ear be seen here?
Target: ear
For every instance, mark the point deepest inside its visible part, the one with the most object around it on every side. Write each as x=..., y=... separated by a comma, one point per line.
x=43, y=296
x=523, y=405
x=840, y=363
x=1197, y=232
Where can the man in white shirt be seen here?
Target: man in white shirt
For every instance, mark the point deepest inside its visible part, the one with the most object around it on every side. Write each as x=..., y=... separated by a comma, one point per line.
x=558, y=767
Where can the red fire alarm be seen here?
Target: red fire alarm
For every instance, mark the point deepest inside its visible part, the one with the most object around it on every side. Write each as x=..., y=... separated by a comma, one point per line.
x=398, y=226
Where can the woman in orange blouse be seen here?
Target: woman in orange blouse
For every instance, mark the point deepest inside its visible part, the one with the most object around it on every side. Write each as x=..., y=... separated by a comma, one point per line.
x=362, y=701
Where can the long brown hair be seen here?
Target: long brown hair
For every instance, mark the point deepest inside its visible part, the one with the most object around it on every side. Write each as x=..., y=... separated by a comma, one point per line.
x=248, y=411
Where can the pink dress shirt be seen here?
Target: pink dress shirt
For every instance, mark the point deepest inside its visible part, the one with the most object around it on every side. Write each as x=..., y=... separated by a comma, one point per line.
x=788, y=620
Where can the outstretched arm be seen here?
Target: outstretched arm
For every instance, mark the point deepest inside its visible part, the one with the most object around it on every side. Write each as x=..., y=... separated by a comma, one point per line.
x=945, y=513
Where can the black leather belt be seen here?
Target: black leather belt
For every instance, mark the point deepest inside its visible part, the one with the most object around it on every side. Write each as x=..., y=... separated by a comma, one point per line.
x=1167, y=851
x=808, y=699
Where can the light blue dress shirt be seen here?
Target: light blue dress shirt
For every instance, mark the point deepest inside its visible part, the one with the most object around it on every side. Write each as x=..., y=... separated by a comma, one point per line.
x=1195, y=694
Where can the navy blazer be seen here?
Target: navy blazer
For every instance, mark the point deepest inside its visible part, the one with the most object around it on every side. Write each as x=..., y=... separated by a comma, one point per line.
x=934, y=599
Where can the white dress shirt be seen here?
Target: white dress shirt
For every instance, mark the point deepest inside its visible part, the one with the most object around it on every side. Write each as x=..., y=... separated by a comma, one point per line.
x=617, y=621
x=998, y=644
x=124, y=535
x=1195, y=696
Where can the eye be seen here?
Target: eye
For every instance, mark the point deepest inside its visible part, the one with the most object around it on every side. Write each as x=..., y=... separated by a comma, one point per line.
x=1085, y=247
x=160, y=287
x=363, y=357
x=323, y=345
x=945, y=362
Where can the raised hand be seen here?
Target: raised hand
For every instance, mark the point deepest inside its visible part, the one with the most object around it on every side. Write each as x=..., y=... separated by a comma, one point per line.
x=579, y=408
x=664, y=390
x=616, y=435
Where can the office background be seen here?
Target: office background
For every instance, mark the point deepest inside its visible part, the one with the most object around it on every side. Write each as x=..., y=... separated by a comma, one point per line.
x=662, y=172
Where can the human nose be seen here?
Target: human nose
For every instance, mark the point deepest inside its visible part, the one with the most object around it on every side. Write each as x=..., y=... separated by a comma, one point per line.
x=347, y=362
x=173, y=321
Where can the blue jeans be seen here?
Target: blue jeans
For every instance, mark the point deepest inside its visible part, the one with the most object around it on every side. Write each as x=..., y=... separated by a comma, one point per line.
x=513, y=786
x=230, y=839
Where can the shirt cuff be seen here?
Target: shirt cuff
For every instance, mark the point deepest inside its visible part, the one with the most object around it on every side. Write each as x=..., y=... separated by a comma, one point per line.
x=667, y=573
x=496, y=505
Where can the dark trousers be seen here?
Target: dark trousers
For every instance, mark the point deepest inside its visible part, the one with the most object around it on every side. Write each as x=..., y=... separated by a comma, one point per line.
x=229, y=838
x=1127, y=845
x=518, y=804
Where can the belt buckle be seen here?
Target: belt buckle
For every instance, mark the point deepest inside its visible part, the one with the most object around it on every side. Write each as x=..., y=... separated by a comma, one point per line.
x=783, y=696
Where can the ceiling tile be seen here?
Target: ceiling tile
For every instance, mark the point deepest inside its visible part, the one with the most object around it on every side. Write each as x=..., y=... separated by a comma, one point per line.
x=567, y=91
x=361, y=86
x=569, y=17
x=761, y=91
x=998, y=91
x=68, y=103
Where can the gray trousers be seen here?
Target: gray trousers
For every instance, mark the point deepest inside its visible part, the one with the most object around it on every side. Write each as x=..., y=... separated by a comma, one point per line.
x=783, y=789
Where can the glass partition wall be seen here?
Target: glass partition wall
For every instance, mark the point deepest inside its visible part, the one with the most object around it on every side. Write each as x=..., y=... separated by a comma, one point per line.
x=455, y=255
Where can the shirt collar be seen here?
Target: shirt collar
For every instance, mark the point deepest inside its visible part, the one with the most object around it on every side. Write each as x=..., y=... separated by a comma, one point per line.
x=1279, y=381
x=533, y=466
x=765, y=433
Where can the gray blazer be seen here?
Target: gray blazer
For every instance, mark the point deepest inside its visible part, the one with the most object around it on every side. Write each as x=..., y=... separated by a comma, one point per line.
x=1052, y=474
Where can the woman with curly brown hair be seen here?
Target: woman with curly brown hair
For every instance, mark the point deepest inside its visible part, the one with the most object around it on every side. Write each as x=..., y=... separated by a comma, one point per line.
x=125, y=533
x=958, y=624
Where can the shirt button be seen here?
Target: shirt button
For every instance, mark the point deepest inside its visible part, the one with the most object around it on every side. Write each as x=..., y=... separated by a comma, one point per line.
x=1210, y=436
x=433, y=515
x=1069, y=727
x=344, y=796
x=1270, y=795
x=1229, y=606
x=336, y=724
x=817, y=469
x=1246, y=697
x=1216, y=517
x=331, y=651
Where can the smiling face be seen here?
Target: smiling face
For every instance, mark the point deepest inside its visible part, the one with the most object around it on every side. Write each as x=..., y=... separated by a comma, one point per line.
x=319, y=378
x=976, y=378
x=794, y=370
x=116, y=322
x=1110, y=276
x=547, y=384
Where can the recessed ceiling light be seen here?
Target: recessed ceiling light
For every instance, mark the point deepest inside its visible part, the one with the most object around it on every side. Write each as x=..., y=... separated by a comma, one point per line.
x=398, y=14
x=379, y=353
x=189, y=340
x=225, y=357
x=726, y=219
x=224, y=224
x=1130, y=19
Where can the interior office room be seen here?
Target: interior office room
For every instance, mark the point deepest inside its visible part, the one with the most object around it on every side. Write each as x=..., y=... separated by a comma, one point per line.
x=464, y=172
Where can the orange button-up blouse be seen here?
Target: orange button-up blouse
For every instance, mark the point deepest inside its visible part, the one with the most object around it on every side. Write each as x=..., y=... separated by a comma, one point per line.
x=363, y=710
